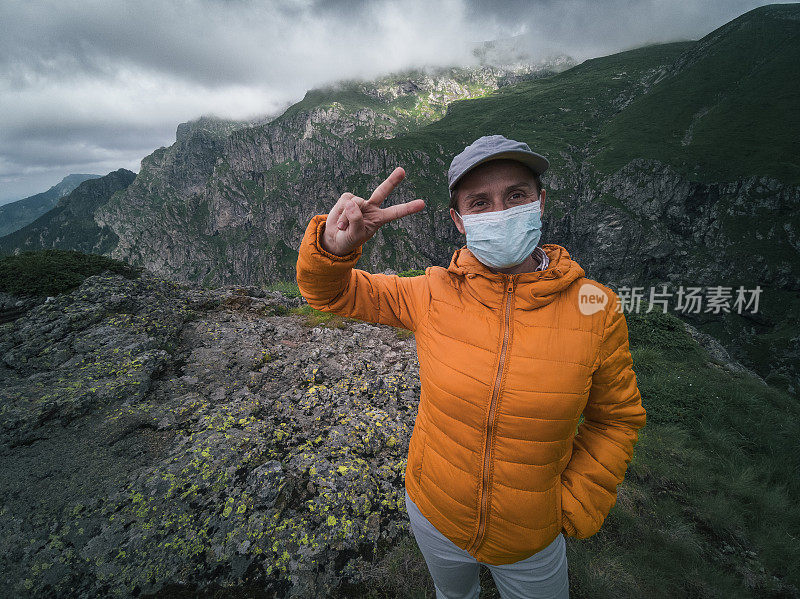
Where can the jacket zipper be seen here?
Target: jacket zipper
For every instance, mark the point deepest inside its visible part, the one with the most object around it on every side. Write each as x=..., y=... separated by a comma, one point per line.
x=508, y=297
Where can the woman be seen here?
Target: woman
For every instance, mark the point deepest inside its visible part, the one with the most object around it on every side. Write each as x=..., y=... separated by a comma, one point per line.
x=514, y=344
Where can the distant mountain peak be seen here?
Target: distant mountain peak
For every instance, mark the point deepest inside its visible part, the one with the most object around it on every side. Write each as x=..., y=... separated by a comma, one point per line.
x=515, y=51
x=15, y=215
x=208, y=124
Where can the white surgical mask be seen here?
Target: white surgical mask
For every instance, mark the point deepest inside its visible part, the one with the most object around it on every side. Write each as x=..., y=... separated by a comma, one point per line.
x=504, y=238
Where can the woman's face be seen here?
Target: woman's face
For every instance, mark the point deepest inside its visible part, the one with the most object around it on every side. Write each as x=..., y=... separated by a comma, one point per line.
x=495, y=185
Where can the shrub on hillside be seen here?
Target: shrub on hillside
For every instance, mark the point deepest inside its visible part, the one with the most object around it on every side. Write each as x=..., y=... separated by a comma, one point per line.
x=414, y=272
x=52, y=271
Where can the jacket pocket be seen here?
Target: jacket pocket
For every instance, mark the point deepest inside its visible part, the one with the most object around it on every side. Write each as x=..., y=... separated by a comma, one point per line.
x=563, y=526
x=559, y=511
x=421, y=459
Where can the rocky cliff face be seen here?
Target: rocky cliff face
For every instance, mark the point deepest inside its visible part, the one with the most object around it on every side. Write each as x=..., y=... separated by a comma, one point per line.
x=223, y=208
x=650, y=227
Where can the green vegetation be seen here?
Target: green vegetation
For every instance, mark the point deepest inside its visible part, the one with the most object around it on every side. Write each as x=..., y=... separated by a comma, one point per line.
x=392, y=114
x=708, y=500
x=402, y=333
x=285, y=256
x=557, y=114
x=732, y=92
x=70, y=224
x=287, y=288
x=264, y=358
x=348, y=96
x=318, y=318
x=413, y=272
x=51, y=272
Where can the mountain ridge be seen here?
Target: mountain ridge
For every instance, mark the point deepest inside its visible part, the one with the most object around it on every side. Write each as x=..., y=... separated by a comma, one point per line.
x=15, y=215
x=70, y=224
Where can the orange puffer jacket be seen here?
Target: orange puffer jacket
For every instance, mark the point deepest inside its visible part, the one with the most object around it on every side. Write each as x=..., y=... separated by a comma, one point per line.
x=507, y=365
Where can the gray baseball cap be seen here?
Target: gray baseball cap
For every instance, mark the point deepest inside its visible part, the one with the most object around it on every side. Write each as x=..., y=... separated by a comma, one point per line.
x=494, y=147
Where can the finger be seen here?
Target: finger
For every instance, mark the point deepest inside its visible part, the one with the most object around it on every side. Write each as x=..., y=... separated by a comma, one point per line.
x=385, y=188
x=353, y=214
x=338, y=208
x=343, y=219
x=400, y=210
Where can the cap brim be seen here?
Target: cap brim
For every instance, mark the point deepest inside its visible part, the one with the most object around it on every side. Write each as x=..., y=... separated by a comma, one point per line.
x=538, y=163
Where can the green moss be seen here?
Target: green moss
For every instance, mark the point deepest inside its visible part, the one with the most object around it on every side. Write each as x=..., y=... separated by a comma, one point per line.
x=665, y=334
x=610, y=200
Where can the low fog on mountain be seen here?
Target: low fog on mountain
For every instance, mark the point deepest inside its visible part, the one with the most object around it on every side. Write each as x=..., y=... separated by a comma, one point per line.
x=89, y=87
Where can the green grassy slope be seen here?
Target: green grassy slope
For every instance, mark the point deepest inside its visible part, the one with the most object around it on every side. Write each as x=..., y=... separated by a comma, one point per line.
x=71, y=225
x=710, y=498
x=402, y=101
x=728, y=112
x=15, y=215
x=556, y=115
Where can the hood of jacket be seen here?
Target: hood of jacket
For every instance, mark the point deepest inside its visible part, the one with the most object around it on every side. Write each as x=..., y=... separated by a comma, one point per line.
x=533, y=289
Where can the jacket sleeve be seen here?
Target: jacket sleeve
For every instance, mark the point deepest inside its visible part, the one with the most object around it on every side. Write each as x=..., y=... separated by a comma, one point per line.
x=603, y=445
x=331, y=284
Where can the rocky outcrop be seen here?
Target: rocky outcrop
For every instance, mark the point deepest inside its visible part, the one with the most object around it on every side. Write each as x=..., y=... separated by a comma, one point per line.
x=159, y=439
x=161, y=436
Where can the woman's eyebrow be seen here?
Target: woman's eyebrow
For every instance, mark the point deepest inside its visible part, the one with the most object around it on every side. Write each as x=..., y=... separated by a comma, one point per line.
x=482, y=194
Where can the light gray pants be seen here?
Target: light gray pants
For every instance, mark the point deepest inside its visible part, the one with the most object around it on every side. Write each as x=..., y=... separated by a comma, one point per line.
x=456, y=573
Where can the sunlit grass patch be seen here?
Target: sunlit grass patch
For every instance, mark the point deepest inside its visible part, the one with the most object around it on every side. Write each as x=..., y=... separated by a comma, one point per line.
x=316, y=318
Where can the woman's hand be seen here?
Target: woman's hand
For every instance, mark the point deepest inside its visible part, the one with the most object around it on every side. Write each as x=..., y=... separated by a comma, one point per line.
x=354, y=220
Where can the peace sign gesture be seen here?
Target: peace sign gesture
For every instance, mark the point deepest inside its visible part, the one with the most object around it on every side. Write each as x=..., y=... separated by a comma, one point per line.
x=354, y=220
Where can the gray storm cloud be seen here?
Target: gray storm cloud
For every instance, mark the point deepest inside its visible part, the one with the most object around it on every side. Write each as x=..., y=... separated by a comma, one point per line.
x=92, y=86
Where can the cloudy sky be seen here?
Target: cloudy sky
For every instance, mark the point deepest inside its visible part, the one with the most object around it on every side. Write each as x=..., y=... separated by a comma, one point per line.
x=89, y=86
